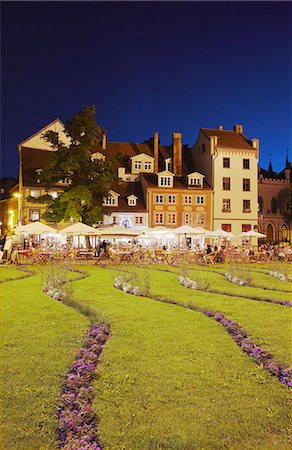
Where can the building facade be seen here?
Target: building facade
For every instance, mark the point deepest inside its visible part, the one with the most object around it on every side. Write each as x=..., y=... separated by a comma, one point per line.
x=229, y=161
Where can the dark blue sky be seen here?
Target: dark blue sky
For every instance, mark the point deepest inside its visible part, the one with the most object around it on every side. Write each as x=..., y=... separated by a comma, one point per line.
x=148, y=67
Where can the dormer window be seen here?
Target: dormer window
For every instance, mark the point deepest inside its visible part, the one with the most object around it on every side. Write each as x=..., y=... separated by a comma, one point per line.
x=137, y=165
x=168, y=164
x=147, y=165
x=95, y=157
x=132, y=200
x=195, y=179
x=165, y=181
x=112, y=199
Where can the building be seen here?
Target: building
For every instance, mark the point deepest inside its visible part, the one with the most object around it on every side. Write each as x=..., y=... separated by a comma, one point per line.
x=274, y=203
x=229, y=161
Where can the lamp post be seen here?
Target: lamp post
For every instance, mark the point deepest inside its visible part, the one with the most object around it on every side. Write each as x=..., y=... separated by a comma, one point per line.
x=18, y=196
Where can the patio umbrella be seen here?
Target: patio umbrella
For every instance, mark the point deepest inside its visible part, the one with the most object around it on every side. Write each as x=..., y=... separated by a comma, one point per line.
x=160, y=230
x=80, y=229
x=187, y=229
x=117, y=230
x=35, y=228
x=252, y=233
x=220, y=233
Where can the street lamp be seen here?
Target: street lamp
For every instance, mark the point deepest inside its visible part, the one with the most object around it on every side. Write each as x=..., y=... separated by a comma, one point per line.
x=18, y=196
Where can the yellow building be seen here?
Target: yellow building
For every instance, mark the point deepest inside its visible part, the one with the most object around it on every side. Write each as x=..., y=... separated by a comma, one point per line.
x=229, y=161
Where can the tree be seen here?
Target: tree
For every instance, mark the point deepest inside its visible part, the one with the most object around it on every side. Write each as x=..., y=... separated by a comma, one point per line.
x=88, y=181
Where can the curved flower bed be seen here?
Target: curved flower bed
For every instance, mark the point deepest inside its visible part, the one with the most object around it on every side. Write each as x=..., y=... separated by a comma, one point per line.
x=280, y=275
x=123, y=284
x=260, y=355
x=76, y=416
x=189, y=283
x=236, y=280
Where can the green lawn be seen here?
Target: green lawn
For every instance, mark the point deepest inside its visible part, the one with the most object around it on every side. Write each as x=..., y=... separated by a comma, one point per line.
x=170, y=378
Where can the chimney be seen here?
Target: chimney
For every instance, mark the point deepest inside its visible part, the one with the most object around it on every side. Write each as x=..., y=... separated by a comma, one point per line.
x=121, y=172
x=103, y=142
x=255, y=143
x=238, y=128
x=220, y=127
x=177, y=153
x=155, y=151
x=213, y=144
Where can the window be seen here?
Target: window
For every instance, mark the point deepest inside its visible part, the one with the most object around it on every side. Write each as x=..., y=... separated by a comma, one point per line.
x=200, y=200
x=53, y=194
x=245, y=227
x=246, y=184
x=245, y=164
x=226, y=184
x=226, y=205
x=132, y=201
x=34, y=215
x=187, y=199
x=171, y=218
x=200, y=218
x=172, y=199
x=139, y=220
x=114, y=220
x=110, y=200
x=195, y=182
x=246, y=206
x=147, y=165
x=226, y=227
x=159, y=218
x=226, y=163
x=168, y=165
x=187, y=218
x=158, y=198
x=137, y=165
x=35, y=193
x=165, y=181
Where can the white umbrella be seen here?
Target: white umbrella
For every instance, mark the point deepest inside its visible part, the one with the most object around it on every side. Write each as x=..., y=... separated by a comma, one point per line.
x=117, y=230
x=35, y=228
x=159, y=230
x=80, y=229
x=220, y=233
x=187, y=229
x=251, y=233
x=201, y=230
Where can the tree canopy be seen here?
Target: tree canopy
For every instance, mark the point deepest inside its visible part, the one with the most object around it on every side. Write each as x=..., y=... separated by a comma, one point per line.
x=88, y=181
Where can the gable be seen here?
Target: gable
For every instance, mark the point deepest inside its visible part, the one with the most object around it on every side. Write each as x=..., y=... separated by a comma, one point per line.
x=35, y=141
x=142, y=156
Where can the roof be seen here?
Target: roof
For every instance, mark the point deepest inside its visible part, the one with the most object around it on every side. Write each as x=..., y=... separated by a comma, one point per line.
x=33, y=159
x=229, y=139
x=125, y=189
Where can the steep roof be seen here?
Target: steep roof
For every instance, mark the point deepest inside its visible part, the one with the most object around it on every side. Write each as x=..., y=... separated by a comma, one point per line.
x=179, y=183
x=229, y=139
x=33, y=159
x=125, y=188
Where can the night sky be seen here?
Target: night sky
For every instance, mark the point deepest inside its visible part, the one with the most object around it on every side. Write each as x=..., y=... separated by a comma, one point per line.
x=148, y=67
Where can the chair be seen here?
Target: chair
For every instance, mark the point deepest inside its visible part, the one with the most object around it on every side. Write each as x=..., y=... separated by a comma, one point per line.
x=210, y=257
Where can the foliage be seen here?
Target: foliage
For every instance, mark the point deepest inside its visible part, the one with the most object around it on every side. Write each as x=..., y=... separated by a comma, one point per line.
x=87, y=181
x=54, y=285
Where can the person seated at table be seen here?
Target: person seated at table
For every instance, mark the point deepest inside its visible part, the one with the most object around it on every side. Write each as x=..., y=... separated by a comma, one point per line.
x=208, y=249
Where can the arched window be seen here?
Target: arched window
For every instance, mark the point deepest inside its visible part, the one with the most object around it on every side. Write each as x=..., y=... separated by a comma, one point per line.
x=274, y=204
x=260, y=204
x=284, y=233
x=270, y=233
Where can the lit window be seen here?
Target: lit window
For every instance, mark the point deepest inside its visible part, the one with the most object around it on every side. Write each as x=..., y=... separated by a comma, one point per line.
x=158, y=198
x=147, y=165
x=226, y=205
x=246, y=206
x=114, y=220
x=187, y=199
x=172, y=199
x=195, y=182
x=226, y=227
x=226, y=163
x=165, y=181
x=35, y=193
x=200, y=218
x=132, y=201
x=168, y=165
x=246, y=164
x=110, y=200
x=53, y=194
x=34, y=215
x=245, y=227
x=226, y=184
x=187, y=218
x=137, y=165
x=246, y=184
x=159, y=218
x=171, y=218
x=200, y=200
x=139, y=220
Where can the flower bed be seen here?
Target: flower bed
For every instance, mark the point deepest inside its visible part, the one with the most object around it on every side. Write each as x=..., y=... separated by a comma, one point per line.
x=280, y=275
x=76, y=416
x=189, y=283
x=236, y=280
x=261, y=356
x=122, y=283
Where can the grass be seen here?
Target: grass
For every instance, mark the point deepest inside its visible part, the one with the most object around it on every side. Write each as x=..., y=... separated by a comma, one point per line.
x=8, y=273
x=39, y=338
x=170, y=378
